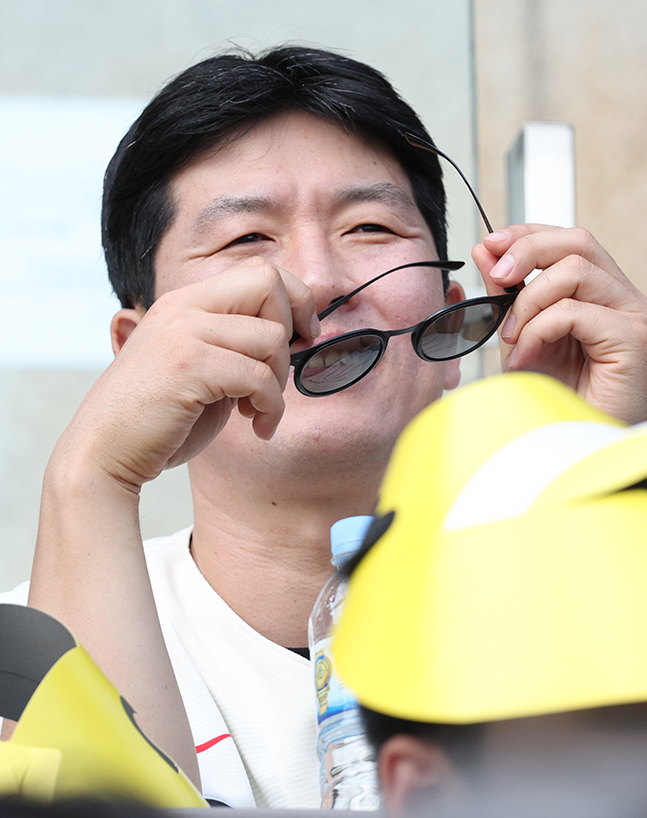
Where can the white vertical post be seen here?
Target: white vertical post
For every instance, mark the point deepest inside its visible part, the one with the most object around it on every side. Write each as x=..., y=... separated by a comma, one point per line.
x=541, y=181
x=541, y=175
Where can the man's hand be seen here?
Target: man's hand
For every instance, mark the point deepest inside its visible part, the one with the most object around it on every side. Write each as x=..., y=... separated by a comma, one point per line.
x=182, y=367
x=581, y=320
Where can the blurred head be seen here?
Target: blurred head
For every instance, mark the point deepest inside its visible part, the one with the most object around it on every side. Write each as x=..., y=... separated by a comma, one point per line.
x=221, y=99
x=496, y=619
x=588, y=762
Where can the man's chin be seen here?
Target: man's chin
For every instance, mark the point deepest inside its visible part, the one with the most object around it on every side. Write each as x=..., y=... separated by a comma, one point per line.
x=337, y=439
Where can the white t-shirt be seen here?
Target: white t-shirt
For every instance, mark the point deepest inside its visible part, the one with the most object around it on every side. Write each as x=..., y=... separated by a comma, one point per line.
x=250, y=702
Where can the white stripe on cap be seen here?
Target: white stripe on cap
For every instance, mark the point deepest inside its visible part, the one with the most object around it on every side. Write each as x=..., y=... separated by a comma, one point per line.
x=500, y=489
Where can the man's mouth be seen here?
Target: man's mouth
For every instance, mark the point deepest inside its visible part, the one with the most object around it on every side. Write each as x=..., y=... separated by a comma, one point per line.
x=335, y=367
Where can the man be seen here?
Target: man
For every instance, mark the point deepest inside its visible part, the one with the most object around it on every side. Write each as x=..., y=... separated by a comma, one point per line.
x=496, y=637
x=249, y=195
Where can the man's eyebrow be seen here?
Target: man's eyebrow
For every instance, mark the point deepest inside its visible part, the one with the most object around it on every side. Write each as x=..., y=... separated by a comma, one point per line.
x=229, y=206
x=383, y=192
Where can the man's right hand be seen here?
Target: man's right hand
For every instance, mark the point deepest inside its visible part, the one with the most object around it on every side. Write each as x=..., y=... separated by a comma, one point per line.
x=179, y=371
x=182, y=367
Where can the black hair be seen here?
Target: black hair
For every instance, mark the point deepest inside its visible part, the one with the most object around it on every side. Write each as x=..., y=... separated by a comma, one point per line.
x=217, y=100
x=462, y=743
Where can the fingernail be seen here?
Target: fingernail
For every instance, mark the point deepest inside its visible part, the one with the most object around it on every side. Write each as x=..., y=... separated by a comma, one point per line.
x=315, y=326
x=512, y=358
x=502, y=268
x=508, y=327
x=498, y=235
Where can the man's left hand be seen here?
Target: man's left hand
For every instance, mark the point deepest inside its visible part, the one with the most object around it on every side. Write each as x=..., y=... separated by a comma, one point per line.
x=581, y=320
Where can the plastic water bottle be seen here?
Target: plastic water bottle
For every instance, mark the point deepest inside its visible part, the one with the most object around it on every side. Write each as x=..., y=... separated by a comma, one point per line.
x=348, y=770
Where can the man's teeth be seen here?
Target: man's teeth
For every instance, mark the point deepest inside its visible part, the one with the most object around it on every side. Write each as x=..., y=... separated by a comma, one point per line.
x=329, y=358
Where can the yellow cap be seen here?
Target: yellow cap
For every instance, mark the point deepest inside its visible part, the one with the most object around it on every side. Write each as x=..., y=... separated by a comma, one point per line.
x=512, y=580
x=76, y=736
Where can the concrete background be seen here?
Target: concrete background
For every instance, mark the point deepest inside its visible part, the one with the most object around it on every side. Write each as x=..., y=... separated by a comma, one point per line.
x=583, y=62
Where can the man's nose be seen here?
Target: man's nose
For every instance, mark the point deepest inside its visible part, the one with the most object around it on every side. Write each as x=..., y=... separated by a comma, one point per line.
x=328, y=275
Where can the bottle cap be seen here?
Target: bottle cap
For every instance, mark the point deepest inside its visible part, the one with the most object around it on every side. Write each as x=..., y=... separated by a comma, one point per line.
x=347, y=535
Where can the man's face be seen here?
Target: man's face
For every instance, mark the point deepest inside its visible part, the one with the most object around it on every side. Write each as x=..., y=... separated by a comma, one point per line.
x=335, y=211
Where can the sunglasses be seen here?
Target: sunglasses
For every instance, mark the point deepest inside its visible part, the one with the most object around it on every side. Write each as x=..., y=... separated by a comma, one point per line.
x=449, y=333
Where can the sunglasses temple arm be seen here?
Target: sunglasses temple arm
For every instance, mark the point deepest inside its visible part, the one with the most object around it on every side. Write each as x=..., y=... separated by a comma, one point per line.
x=338, y=302
x=417, y=142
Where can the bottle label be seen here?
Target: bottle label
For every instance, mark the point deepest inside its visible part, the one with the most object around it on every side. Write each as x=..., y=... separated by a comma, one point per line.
x=333, y=697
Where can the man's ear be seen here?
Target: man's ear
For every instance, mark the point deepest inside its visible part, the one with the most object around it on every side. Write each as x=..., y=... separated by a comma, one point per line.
x=122, y=325
x=410, y=767
x=455, y=293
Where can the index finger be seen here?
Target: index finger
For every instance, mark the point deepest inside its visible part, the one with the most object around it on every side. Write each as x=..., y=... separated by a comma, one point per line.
x=304, y=311
x=520, y=249
x=258, y=288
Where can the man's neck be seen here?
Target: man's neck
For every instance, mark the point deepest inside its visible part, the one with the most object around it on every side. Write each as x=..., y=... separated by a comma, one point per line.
x=265, y=547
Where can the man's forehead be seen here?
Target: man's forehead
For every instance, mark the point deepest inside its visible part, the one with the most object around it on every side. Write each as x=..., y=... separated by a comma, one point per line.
x=296, y=144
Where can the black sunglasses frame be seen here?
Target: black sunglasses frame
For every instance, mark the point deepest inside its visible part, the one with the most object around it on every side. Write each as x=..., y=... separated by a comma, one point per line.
x=298, y=360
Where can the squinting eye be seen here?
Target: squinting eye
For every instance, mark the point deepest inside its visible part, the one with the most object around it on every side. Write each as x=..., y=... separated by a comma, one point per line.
x=371, y=228
x=248, y=238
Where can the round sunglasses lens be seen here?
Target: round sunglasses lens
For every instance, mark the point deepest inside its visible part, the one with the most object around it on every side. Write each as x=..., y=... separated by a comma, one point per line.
x=341, y=364
x=459, y=331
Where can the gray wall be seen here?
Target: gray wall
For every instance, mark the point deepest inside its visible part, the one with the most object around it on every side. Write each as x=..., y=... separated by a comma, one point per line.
x=102, y=50
x=583, y=62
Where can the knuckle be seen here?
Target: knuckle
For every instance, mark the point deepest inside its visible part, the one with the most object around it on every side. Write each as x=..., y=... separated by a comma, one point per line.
x=168, y=306
x=181, y=355
x=269, y=271
x=161, y=304
x=530, y=243
x=262, y=375
x=273, y=339
x=583, y=236
x=303, y=297
x=577, y=264
x=277, y=337
x=263, y=270
x=569, y=311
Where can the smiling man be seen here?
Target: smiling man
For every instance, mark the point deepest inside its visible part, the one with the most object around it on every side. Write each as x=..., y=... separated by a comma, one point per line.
x=249, y=195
